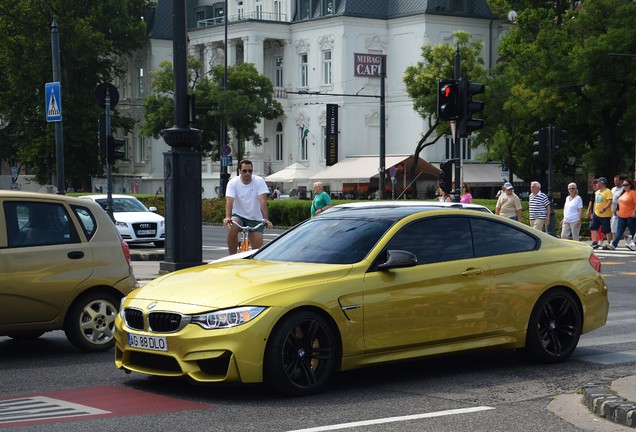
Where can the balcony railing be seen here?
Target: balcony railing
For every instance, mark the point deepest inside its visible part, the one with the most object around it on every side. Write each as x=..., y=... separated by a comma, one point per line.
x=254, y=15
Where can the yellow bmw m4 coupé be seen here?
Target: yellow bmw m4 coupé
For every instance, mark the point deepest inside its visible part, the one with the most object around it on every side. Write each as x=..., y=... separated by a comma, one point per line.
x=360, y=287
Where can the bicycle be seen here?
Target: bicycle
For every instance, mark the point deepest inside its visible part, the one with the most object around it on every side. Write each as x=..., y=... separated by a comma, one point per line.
x=244, y=240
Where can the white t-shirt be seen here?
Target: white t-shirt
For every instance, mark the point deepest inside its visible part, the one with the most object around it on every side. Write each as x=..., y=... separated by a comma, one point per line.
x=246, y=203
x=616, y=194
x=571, y=209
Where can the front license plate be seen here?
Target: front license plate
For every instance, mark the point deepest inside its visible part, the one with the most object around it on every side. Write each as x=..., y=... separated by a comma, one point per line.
x=152, y=343
x=146, y=232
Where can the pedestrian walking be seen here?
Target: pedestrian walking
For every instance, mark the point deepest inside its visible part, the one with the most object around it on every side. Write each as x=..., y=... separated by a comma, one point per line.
x=572, y=209
x=539, y=206
x=508, y=203
x=602, y=211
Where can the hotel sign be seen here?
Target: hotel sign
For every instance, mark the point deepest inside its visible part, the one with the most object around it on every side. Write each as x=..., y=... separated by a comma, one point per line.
x=332, y=134
x=368, y=65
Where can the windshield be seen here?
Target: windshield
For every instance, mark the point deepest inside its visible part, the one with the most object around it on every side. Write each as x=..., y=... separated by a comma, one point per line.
x=327, y=241
x=124, y=205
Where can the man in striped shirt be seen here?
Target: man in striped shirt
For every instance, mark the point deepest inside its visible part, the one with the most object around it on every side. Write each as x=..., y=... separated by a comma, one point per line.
x=539, y=207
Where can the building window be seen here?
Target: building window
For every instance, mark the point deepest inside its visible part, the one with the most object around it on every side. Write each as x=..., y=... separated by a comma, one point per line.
x=278, y=150
x=259, y=9
x=140, y=82
x=278, y=71
x=140, y=154
x=330, y=7
x=240, y=10
x=304, y=70
x=278, y=10
x=305, y=9
x=326, y=67
x=304, y=143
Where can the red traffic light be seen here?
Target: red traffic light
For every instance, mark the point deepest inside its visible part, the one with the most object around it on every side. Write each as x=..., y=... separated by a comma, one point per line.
x=447, y=98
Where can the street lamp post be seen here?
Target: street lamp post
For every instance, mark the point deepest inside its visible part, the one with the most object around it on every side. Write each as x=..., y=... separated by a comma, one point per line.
x=224, y=176
x=182, y=164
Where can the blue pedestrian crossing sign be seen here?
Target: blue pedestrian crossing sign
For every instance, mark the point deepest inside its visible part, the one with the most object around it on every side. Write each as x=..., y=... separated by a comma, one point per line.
x=53, y=102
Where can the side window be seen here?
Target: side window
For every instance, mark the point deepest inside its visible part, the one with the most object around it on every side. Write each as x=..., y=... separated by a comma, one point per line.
x=435, y=239
x=38, y=224
x=494, y=238
x=87, y=220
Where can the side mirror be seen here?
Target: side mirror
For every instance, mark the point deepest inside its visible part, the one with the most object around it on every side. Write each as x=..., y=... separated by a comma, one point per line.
x=152, y=209
x=397, y=259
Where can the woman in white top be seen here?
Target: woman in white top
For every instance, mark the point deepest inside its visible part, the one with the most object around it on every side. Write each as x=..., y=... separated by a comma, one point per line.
x=572, y=209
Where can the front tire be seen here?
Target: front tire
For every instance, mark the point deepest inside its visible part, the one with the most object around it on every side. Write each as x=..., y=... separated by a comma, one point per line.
x=301, y=355
x=554, y=328
x=90, y=321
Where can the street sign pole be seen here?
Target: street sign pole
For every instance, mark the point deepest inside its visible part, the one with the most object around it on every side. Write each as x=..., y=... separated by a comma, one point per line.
x=59, y=139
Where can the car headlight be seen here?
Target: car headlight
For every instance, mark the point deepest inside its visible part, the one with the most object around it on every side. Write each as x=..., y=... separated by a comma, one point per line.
x=227, y=318
x=121, y=224
x=121, y=307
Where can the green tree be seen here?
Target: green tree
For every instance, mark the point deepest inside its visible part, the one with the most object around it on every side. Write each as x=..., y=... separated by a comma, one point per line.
x=438, y=63
x=94, y=36
x=247, y=99
x=557, y=69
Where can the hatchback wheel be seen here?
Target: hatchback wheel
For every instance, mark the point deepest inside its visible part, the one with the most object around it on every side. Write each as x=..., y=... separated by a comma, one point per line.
x=301, y=355
x=554, y=327
x=90, y=321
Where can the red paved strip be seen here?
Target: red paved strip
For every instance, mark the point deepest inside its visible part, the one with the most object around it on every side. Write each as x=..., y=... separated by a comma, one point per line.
x=118, y=401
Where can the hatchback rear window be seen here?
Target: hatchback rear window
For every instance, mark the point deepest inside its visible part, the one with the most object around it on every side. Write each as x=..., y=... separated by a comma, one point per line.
x=87, y=220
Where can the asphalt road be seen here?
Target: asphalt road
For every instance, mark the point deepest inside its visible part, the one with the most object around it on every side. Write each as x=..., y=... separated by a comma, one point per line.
x=490, y=391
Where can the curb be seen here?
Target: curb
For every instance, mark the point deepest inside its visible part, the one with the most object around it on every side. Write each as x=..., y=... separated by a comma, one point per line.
x=152, y=256
x=603, y=402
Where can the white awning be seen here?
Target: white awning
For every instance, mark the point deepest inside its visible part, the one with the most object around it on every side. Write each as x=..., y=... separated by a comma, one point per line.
x=486, y=174
x=293, y=173
x=362, y=168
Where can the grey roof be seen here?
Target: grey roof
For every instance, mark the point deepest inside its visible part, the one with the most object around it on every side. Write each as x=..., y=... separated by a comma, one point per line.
x=159, y=20
x=390, y=9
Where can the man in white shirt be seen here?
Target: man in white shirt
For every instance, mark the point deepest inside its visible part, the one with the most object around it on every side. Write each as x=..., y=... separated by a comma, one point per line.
x=617, y=190
x=246, y=204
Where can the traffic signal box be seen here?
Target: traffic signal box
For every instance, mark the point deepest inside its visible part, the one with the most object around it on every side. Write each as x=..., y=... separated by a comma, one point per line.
x=467, y=124
x=112, y=146
x=560, y=138
x=540, y=145
x=447, y=99
x=446, y=176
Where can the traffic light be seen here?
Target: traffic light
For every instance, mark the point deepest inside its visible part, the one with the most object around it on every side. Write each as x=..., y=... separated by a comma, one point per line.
x=559, y=138
x=112, y=145
x=446, y=176
x=540, y=145
x=447, y=97
x=467, y=124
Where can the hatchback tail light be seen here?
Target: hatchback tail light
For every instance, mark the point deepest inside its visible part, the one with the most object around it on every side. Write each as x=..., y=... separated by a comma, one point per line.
x=126, y=249
x=595, y=262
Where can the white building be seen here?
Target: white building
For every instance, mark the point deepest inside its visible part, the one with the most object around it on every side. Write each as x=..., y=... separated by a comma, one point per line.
x=316, y=52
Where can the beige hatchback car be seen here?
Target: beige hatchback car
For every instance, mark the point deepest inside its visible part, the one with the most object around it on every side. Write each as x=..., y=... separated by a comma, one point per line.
x=63, y=266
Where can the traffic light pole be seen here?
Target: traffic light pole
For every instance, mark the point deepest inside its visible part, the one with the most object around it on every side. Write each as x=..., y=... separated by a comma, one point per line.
x=455, y=136
x=109, y=166
x=551, y=145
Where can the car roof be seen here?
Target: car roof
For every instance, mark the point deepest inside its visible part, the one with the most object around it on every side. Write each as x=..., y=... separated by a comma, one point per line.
x=104, y=196
x=420, y=204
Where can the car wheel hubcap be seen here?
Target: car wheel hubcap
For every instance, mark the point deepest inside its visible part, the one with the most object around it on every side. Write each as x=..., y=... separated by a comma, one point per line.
x=97, y=322
x=306, y=353
x=558, y=326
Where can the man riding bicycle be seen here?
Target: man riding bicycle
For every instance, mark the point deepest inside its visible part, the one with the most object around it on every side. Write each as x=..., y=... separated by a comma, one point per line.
x=245, y=204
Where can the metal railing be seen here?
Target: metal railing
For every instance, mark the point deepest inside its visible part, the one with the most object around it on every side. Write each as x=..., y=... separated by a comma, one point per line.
x=253, y=15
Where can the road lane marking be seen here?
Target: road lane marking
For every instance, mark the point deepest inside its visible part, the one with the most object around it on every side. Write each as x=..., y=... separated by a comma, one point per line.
x=396, y=419
x=42, y=408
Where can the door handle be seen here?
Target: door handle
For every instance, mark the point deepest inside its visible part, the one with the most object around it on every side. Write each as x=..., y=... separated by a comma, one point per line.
x=472, y=272
x=75, y=255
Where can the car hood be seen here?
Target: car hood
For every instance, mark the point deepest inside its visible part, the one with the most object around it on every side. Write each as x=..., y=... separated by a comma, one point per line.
x=138, y=217
x=236, y=282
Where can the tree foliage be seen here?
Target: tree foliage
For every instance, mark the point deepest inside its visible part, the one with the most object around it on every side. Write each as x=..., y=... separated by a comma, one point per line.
x=93, y=37
x=247, y=99
x=438, y=62
x=557, y=68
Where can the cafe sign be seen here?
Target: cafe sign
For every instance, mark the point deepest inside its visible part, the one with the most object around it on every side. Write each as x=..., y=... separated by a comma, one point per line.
x=368, y=65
